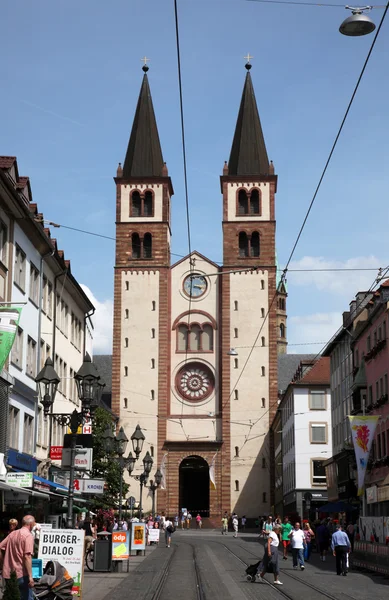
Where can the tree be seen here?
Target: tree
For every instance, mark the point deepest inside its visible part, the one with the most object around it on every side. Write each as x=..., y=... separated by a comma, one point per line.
x=105, y=466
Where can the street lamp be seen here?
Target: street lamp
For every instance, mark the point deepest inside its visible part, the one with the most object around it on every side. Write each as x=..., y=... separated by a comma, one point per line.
x=89, y=388
x=358, y=23
x=154, y=485
x=137, y=440
x=118, y=446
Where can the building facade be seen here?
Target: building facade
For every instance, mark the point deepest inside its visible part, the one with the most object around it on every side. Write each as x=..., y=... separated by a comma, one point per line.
x=54, y=322
x=174, y=325
x=306, y=439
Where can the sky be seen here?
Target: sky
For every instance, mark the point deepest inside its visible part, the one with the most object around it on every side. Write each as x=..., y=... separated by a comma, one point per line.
x=71, y=74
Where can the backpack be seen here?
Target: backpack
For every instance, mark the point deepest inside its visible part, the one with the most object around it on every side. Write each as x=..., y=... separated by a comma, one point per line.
x=170, y=529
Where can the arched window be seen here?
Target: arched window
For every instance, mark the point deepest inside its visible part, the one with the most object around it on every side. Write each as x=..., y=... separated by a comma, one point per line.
x=148, y=205
x=127, y=286
x=152, y=333
x=152, y=451
x=125, y=371
x=207, y=338
x=135, y=244
x=194, y=338
x=125, y=402
x=236, y=485
x=126, y=313
x=182, y=338
x=136, y=204
x=147, y=246
x=243, y=207
x=255, y=207
x=262, y=341
x=243, y=244
x=126, y=342
x=237, y=451
x=236, y=332
x=282, y=330
x=254, y=245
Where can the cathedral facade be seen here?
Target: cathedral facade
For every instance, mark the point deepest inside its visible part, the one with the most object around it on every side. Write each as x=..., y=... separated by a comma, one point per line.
x=196, y=343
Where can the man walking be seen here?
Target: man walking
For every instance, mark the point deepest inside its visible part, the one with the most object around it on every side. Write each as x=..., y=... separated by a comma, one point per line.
x=286, y=528
x=225, y=523
x=297, y=539
x=16, y=552
x=340, y=546
x=235, y=524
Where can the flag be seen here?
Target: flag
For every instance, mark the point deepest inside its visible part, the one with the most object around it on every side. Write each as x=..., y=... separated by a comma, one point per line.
x=362, y=430
x=212, y=475
x=9, y=321
x=163, y=472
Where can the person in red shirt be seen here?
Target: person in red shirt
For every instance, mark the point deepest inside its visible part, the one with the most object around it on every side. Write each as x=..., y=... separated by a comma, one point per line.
x=16, y=552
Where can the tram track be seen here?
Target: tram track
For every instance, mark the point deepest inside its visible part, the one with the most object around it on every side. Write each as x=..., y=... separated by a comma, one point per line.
x=160, y=592
x=291, y=576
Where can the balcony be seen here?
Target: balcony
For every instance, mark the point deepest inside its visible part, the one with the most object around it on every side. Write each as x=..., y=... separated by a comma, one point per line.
x=376, y=349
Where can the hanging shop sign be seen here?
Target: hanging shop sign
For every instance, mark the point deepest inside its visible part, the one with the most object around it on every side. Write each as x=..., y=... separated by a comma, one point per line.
x=15, y=498
x=56, y=452
x=371, y=494
x=67, y=547
x=82, y=461
x=22, y=461
x=120, y=545
x=88, y=486
x=138, y=536
x=24, y=479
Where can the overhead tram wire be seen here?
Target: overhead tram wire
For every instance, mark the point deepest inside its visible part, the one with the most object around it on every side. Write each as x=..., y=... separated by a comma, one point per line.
x=323, y=4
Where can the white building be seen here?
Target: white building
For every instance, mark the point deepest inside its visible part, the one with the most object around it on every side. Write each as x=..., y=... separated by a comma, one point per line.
x=305, y=411
x=35, y=276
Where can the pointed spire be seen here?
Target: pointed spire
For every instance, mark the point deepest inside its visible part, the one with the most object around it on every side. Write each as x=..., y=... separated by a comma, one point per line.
x=144, y=154
x=248, y=153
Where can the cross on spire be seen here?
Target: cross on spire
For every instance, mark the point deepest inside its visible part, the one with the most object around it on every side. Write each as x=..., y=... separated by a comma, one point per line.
x=146, y=60
x=248, y=57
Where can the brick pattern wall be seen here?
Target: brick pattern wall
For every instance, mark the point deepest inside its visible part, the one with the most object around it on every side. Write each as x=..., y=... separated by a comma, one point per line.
x=225, y=389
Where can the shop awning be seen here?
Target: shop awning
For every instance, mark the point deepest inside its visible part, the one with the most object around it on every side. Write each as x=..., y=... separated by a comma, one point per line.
x=20, y=490
x=54, y=484
x=336, y=507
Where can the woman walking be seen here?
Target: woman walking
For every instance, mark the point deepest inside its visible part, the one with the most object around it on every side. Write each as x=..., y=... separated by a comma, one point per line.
x=169, y=529
x=309, y=535
x=199, y=521
x=271, y=555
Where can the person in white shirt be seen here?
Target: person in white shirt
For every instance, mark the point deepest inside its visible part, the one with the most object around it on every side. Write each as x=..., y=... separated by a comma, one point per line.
x=169, y=528
x=235, y=524
x=297, y=539
x=271, y=555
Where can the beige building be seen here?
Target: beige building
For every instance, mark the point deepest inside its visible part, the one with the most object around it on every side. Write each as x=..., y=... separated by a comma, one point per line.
x=199, y=404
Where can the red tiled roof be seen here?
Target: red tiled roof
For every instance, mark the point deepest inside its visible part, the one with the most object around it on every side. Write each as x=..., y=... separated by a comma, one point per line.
x=6, y=162
x=319, y=374
x=22, y=182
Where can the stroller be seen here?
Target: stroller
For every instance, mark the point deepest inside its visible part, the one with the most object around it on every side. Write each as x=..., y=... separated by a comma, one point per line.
x=55, y=583
x=251, y=570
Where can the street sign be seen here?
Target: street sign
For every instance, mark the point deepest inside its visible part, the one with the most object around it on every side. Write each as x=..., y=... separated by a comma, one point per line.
x=82, y=461
x=131, y=502
x=24, y=480
x=56, y=452
x=87, y=427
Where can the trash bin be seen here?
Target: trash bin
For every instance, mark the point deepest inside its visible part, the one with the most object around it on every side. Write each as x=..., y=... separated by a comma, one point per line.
x=102, y=558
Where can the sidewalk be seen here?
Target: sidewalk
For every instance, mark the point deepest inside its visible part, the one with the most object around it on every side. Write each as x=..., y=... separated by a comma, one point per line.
x=97, y=586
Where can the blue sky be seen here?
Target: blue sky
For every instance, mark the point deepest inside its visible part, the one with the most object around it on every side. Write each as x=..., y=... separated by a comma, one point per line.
x=71, y=73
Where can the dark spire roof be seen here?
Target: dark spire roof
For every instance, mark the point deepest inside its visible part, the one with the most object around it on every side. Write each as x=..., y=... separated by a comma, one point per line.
x=248, y=153
x=144, y=154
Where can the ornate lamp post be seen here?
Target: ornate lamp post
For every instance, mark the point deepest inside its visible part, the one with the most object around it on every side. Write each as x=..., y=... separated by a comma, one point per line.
x=89, y=388
x=118, y=445
x=154, y=485
x=137, y=440
x=147, y=466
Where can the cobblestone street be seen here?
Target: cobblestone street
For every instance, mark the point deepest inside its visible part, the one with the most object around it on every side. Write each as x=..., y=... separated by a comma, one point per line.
x=206, y=566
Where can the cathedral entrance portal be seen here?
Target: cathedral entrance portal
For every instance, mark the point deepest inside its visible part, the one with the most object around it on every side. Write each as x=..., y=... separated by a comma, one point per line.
x=194, y=485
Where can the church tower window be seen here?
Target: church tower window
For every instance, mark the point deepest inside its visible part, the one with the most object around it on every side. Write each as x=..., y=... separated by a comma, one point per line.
x=254, y=244
x=148, y=204
x=243, y=244
x=263, y=341
x=236, y=485
x=237, y=451
x=255, y=206
x=207, y=338
x=136, y=204
x=282, y=330
x=182, y=338
x=135, y=245
x=194, y=338
x=126, y=342
x=242, y=202
x=147, y=246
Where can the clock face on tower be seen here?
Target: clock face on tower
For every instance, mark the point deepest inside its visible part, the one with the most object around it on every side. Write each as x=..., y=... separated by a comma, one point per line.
x=195, y=285
x=195, y=382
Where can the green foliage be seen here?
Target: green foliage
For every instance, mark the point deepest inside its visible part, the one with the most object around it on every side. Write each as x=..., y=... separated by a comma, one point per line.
x=105, y=466
x=11, y=591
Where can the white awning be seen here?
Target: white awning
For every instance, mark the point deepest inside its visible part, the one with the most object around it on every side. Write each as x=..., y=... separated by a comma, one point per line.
x=20, y=490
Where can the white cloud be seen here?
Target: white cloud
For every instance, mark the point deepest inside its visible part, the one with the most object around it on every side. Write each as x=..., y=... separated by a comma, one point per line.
x=341, y=283
x=103, y=323
x=309, y=330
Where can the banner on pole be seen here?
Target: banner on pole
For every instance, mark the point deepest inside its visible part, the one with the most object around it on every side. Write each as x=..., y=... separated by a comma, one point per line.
x=212, y=475
x=362, y=430
x=9, y=321
x=163, y=472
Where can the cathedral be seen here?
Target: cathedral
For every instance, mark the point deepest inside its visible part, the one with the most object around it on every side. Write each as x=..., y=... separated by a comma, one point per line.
x=195, y=343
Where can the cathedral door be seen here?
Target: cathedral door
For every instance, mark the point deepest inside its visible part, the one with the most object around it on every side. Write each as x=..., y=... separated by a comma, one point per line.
x=194, y=485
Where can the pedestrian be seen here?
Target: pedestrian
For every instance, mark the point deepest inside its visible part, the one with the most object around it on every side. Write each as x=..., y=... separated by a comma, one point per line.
x=235, y=524
x=89, y=533
x=340, y=545
x=309, y=536
x=267, y=526
x=322, y=540
x=169, y=529
x=225, y=523
x=286, y=528
x=124, y=526
x=243, y=522
x=188, y=520
x=350, y=529
x=198, y=521
x=16, y=552
x=271, y=555
x=176, y=521
x=297, y=539
x=13, y=524
x=183, y=520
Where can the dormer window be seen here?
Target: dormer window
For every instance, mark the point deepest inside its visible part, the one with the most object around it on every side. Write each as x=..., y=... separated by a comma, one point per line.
x=142, y=204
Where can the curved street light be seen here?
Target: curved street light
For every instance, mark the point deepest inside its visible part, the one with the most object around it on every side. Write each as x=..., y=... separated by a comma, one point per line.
x=357, y=23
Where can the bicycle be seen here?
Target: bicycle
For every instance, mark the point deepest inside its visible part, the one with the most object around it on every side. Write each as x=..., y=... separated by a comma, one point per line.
x=89, y=558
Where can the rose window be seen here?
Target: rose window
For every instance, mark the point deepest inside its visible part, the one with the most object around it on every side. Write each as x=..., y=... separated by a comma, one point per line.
x=195, y=382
